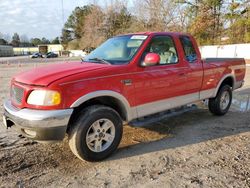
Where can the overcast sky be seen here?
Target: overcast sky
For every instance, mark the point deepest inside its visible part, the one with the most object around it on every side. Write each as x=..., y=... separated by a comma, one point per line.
x=36, y=18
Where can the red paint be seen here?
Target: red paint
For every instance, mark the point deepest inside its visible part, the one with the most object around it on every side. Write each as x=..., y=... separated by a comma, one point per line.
x=149, y=84
x=151, y=59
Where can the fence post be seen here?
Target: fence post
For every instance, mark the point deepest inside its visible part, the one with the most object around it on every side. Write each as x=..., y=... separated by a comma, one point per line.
x=235, y=51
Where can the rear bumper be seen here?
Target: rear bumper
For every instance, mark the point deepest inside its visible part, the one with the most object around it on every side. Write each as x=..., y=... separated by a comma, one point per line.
x=40, y=125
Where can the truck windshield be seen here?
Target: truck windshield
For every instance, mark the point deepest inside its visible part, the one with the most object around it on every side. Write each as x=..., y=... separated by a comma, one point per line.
x=117, y=50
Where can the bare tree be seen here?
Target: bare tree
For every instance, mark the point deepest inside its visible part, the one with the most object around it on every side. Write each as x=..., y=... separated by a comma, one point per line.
x=92, y=28
x=24, y=38
x=159, y=15
x=207, y=20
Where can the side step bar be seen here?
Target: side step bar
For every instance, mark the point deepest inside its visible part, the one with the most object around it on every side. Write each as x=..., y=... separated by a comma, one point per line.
x=147, y=120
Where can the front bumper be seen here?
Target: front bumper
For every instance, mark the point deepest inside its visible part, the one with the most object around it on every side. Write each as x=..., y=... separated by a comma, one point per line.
x=40, y=125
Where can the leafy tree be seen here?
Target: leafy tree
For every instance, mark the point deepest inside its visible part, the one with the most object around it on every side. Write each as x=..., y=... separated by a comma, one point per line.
x=35, y=41
x=73, y=26
x=66, y=37
x=6, y=37
x=45, y=41
x=208, y=20
x=55, y=41
x=238, y=16
x=3, y=42
x=15, y=40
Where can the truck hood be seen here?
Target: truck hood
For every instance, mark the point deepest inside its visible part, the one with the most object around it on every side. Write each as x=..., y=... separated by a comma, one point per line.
x=43, y=76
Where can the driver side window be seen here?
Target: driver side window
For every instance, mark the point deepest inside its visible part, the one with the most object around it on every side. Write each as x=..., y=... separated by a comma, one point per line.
x=165, y=47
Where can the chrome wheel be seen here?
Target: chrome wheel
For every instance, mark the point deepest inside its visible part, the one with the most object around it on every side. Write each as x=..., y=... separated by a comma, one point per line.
x=100, y=135
x=224, y=100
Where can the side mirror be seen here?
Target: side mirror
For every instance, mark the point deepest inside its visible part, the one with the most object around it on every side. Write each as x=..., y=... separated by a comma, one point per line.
x=151, y=59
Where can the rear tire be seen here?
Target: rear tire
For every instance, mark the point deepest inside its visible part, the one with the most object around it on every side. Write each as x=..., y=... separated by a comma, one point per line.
x=221, y=103
x=95, y=133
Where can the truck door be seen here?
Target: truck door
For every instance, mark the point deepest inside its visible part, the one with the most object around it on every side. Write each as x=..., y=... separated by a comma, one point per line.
x=195, y=70
x=158, y=86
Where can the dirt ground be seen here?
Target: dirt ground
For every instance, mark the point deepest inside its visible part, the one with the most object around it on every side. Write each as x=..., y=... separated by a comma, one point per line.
x=193, y=149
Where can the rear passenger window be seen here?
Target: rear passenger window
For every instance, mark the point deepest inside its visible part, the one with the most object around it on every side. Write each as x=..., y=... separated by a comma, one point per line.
x=190, y=53
x=165, y=47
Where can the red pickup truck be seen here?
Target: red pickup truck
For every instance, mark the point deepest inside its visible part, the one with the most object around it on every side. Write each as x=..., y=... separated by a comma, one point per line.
x=127, y=77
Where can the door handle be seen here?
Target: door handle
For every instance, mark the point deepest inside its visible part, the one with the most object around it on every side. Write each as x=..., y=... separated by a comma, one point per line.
x=127, y=82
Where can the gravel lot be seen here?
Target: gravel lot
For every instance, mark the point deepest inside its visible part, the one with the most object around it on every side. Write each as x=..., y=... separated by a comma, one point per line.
x=193, y=149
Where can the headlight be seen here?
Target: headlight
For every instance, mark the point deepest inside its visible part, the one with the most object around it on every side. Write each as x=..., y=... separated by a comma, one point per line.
x=44, y=98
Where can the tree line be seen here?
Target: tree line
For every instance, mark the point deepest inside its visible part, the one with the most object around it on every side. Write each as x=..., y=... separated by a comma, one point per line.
x=209, y=21
x=23, y=41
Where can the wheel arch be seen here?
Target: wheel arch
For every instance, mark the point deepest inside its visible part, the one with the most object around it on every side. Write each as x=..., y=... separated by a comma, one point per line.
x=228, y=79
x=109, y=98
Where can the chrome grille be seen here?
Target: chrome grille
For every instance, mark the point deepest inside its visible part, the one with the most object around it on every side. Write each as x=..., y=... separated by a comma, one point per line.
x=17, y=94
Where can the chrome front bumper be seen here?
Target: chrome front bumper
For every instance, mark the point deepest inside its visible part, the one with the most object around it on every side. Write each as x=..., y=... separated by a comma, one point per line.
x=40, y=125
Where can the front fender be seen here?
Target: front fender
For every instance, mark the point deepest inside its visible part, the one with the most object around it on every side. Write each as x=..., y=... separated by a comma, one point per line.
x=130, y=111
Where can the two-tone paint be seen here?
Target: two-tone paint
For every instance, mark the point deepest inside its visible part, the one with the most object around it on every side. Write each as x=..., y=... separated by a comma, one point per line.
x=140, y=90
x=131, y=89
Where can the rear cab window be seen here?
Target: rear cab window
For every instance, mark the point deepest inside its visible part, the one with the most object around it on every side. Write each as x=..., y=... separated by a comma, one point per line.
x=188, y=48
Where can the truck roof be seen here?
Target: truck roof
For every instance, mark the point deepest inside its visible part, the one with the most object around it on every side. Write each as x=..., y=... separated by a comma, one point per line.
x=156, y=33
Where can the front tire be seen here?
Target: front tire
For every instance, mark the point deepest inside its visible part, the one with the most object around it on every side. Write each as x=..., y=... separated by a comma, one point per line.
x=96, y=133
x=221, y=103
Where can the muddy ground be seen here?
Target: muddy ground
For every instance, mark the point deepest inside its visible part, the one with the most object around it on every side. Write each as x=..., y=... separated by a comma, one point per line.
x=192, y=149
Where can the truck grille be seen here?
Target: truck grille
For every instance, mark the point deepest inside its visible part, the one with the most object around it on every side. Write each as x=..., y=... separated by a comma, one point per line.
x=17, y=94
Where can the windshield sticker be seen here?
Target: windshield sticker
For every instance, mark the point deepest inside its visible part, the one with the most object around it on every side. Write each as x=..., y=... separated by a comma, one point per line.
x=139, y=37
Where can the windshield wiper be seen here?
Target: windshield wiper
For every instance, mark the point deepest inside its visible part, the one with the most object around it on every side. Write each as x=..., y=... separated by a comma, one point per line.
x=103, y=61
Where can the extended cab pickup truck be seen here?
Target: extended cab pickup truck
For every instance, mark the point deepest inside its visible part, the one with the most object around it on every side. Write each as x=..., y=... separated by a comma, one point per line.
x=127, y=77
